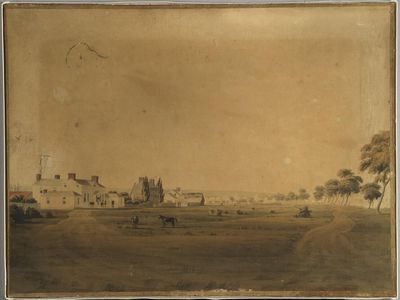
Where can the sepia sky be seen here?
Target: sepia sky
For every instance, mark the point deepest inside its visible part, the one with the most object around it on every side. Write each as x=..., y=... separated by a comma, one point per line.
x=254, y=99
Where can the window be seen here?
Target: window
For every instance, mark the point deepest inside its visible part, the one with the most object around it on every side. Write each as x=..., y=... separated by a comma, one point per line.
x=63, y=197
x=64, y=202
x=44, y=191
x=65, y=185
x=48, y=202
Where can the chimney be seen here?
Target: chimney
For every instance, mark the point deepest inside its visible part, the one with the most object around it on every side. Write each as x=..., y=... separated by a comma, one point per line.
x=95, y=179
x=72, y=176
x=57, y=176
x=38, y=177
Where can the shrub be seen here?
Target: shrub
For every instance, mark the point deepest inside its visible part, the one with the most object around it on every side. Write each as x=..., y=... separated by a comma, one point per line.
x=32, y=213
x=17, y=214
x=129, y=203
x=17, y=199
x=31, y=200
x=49, y=214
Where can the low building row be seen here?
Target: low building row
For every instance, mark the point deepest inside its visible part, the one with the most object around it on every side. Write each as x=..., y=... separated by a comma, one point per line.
x=72, y=192
x=179, y=198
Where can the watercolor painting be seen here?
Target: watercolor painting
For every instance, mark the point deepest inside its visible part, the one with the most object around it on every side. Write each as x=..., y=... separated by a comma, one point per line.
x=200, y=150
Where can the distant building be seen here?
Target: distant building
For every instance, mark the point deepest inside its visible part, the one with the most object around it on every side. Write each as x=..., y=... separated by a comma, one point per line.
x=182, y=199
x=172, y=197
x=191, y=199
x=146, y=190
x=140, y=192
x=69, y=193
x=115, y=200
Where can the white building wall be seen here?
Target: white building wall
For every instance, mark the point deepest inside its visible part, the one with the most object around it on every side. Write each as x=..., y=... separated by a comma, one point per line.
x=58, y=201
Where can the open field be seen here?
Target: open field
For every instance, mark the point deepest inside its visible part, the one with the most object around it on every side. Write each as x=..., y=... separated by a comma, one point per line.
x=338, y=249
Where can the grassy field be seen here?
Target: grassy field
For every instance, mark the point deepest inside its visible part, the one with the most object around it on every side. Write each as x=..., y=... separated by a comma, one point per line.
x=336, y=251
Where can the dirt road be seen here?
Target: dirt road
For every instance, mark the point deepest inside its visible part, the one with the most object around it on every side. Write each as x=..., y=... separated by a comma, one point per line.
x=79, y=223
x=330, y=239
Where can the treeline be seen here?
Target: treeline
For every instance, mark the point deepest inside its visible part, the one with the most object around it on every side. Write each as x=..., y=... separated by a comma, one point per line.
x=301, y=195
x=375, y=160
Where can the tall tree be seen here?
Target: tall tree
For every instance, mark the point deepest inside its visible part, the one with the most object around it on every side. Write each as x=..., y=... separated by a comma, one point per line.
x=375, y=159
x=160, y=189
x=349, y=184
x=332, y=190
x=146, y=189
x=371, y=192
x=319, y=192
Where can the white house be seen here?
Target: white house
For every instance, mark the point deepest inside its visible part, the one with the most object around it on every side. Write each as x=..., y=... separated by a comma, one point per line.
x=69, y=193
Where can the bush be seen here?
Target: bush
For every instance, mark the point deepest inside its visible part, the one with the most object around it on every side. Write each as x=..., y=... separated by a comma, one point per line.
x=49, y=214
x=17, y=199
x=31, y=200
x=17, y=214
x=32, y=213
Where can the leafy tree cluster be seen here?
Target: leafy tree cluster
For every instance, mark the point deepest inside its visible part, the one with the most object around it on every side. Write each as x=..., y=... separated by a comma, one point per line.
x=375, y=160
x=338, y=190
x=301, y=195
x=21, y=199
x=19, y=215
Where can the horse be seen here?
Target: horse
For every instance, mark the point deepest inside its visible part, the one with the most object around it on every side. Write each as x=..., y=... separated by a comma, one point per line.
x=165, y=220
x=135, y=221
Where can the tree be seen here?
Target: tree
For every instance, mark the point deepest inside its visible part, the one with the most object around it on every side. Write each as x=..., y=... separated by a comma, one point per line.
x=375, y=159
x=279, y=197
x=319, y=192
x=18, y=199
x=348, y=184
x=31, y=200
x=371, y=192
x=303, y=195
x=161, y=190
x=146, y=189
x=291, y=196
x=17, y=214
x=332, y=189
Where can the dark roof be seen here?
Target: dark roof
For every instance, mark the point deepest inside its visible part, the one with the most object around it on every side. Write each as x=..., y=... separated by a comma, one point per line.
x=63, y=193
x=87, y=182
x=83, y=181
x=25, y=194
